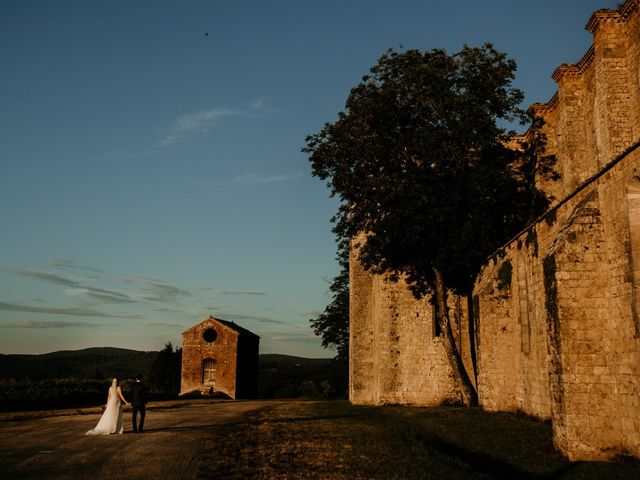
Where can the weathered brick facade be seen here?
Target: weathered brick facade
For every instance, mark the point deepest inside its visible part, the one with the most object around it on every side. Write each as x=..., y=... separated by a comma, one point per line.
x=221, y=355
x=557, y=310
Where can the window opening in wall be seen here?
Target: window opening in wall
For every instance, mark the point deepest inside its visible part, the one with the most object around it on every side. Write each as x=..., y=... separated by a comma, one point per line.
x=209, y=372
x=633, y=211
x=210, y=335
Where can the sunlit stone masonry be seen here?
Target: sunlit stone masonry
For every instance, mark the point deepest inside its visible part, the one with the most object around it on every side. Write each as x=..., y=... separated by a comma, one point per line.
x=219, y=356
x=556, y=311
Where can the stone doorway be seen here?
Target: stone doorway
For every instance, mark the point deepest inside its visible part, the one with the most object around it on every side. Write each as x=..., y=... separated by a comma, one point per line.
x=209, y=372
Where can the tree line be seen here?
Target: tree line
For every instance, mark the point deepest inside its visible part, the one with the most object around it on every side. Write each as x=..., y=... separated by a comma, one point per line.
x=82, y=378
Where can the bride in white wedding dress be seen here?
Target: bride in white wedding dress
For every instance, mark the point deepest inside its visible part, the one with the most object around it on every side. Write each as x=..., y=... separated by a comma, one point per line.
x=111, y=420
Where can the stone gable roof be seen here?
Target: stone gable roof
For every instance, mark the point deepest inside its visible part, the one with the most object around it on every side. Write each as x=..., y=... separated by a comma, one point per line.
x=229, y=324
x=234, y=326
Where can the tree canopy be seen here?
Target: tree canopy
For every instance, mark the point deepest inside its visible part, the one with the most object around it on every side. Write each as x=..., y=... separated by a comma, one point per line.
x=422, y=166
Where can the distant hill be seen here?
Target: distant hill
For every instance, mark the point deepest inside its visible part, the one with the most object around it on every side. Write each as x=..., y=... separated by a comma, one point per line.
x=278, y=359
x=101, y=362
x=97, y=362
x=100, y=351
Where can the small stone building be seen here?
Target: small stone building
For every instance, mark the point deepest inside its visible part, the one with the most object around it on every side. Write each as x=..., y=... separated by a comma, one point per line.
x=220, y=355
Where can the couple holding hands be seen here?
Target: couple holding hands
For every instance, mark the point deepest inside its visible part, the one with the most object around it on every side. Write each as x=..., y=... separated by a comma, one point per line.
x=112, y=417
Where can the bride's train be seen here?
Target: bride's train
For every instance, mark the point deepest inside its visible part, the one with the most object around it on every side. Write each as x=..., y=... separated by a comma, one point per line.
x=111, y=420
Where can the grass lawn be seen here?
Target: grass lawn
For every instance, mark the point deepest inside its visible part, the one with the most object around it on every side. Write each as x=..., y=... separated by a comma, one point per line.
x=335, y=440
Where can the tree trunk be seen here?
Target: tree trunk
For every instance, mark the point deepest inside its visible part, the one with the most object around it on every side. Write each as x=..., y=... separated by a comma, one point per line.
x=469, y=394
x=472, y=308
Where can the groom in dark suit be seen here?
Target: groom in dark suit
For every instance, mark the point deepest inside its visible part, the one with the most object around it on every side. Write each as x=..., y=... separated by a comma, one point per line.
x=138, y=403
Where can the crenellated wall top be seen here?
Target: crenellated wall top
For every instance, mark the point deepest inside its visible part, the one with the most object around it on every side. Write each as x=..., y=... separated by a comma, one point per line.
x=540, y=109
x=575, y=70
x=618, y=15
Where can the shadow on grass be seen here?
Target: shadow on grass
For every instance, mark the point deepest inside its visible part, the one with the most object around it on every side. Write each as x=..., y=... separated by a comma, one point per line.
x=479, y=462
x=486, y=464
x=182, y=428
x=334, y=440
x=306, y=419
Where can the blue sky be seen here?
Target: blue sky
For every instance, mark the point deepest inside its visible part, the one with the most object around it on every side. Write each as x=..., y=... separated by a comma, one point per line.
x=150, y=164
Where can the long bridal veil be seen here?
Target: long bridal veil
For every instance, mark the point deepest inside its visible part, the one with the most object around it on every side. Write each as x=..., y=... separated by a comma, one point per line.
x=111, y=420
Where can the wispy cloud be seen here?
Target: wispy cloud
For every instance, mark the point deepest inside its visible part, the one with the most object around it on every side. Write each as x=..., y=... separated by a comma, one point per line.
x=47, y=324
x=309, y=313
x=258, y=318
x=161, y=324
x=258, y=103
x=44, y=276
x=157, y=294
x=212, y=309
x=156, y=290
x=75, y=287
x=65, y=263
x=101, y=294
x=239, y=292
x=151, y=289
x=218, y=291
x=309, y=338
x=74, y=311
x=116, y=155
x=167, y=310
x=253, y=179
x=190, y=124
x=186, y=126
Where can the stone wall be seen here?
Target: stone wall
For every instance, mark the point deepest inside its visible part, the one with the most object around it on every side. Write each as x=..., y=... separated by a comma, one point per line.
x=557, y=309
x=559, y=342
x=512, y=347
x=569, y=315
x=396, y=353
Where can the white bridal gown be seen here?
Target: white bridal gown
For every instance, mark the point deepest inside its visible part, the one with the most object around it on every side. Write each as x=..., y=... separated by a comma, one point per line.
x=111, y=420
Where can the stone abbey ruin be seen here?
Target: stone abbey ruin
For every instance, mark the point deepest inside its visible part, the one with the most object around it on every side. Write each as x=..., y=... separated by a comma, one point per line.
x=556, y=312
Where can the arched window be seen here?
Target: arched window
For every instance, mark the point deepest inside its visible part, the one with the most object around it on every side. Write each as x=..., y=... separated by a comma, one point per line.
x=633, y=210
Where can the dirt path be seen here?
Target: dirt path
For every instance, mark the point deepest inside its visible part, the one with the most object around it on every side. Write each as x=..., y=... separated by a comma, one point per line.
x=56, y=448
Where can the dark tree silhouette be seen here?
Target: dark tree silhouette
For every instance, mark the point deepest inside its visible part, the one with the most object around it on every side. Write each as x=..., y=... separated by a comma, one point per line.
x=333, y=323
x=166, y=370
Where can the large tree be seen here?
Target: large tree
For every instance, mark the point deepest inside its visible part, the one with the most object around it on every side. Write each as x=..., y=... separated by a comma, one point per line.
x=422, y=168
x=166, y=369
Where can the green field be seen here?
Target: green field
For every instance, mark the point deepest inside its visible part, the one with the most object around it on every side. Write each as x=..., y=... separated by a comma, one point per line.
x=334, y=440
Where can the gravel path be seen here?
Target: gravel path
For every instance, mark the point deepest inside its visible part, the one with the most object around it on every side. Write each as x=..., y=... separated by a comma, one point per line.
x=56, y=448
